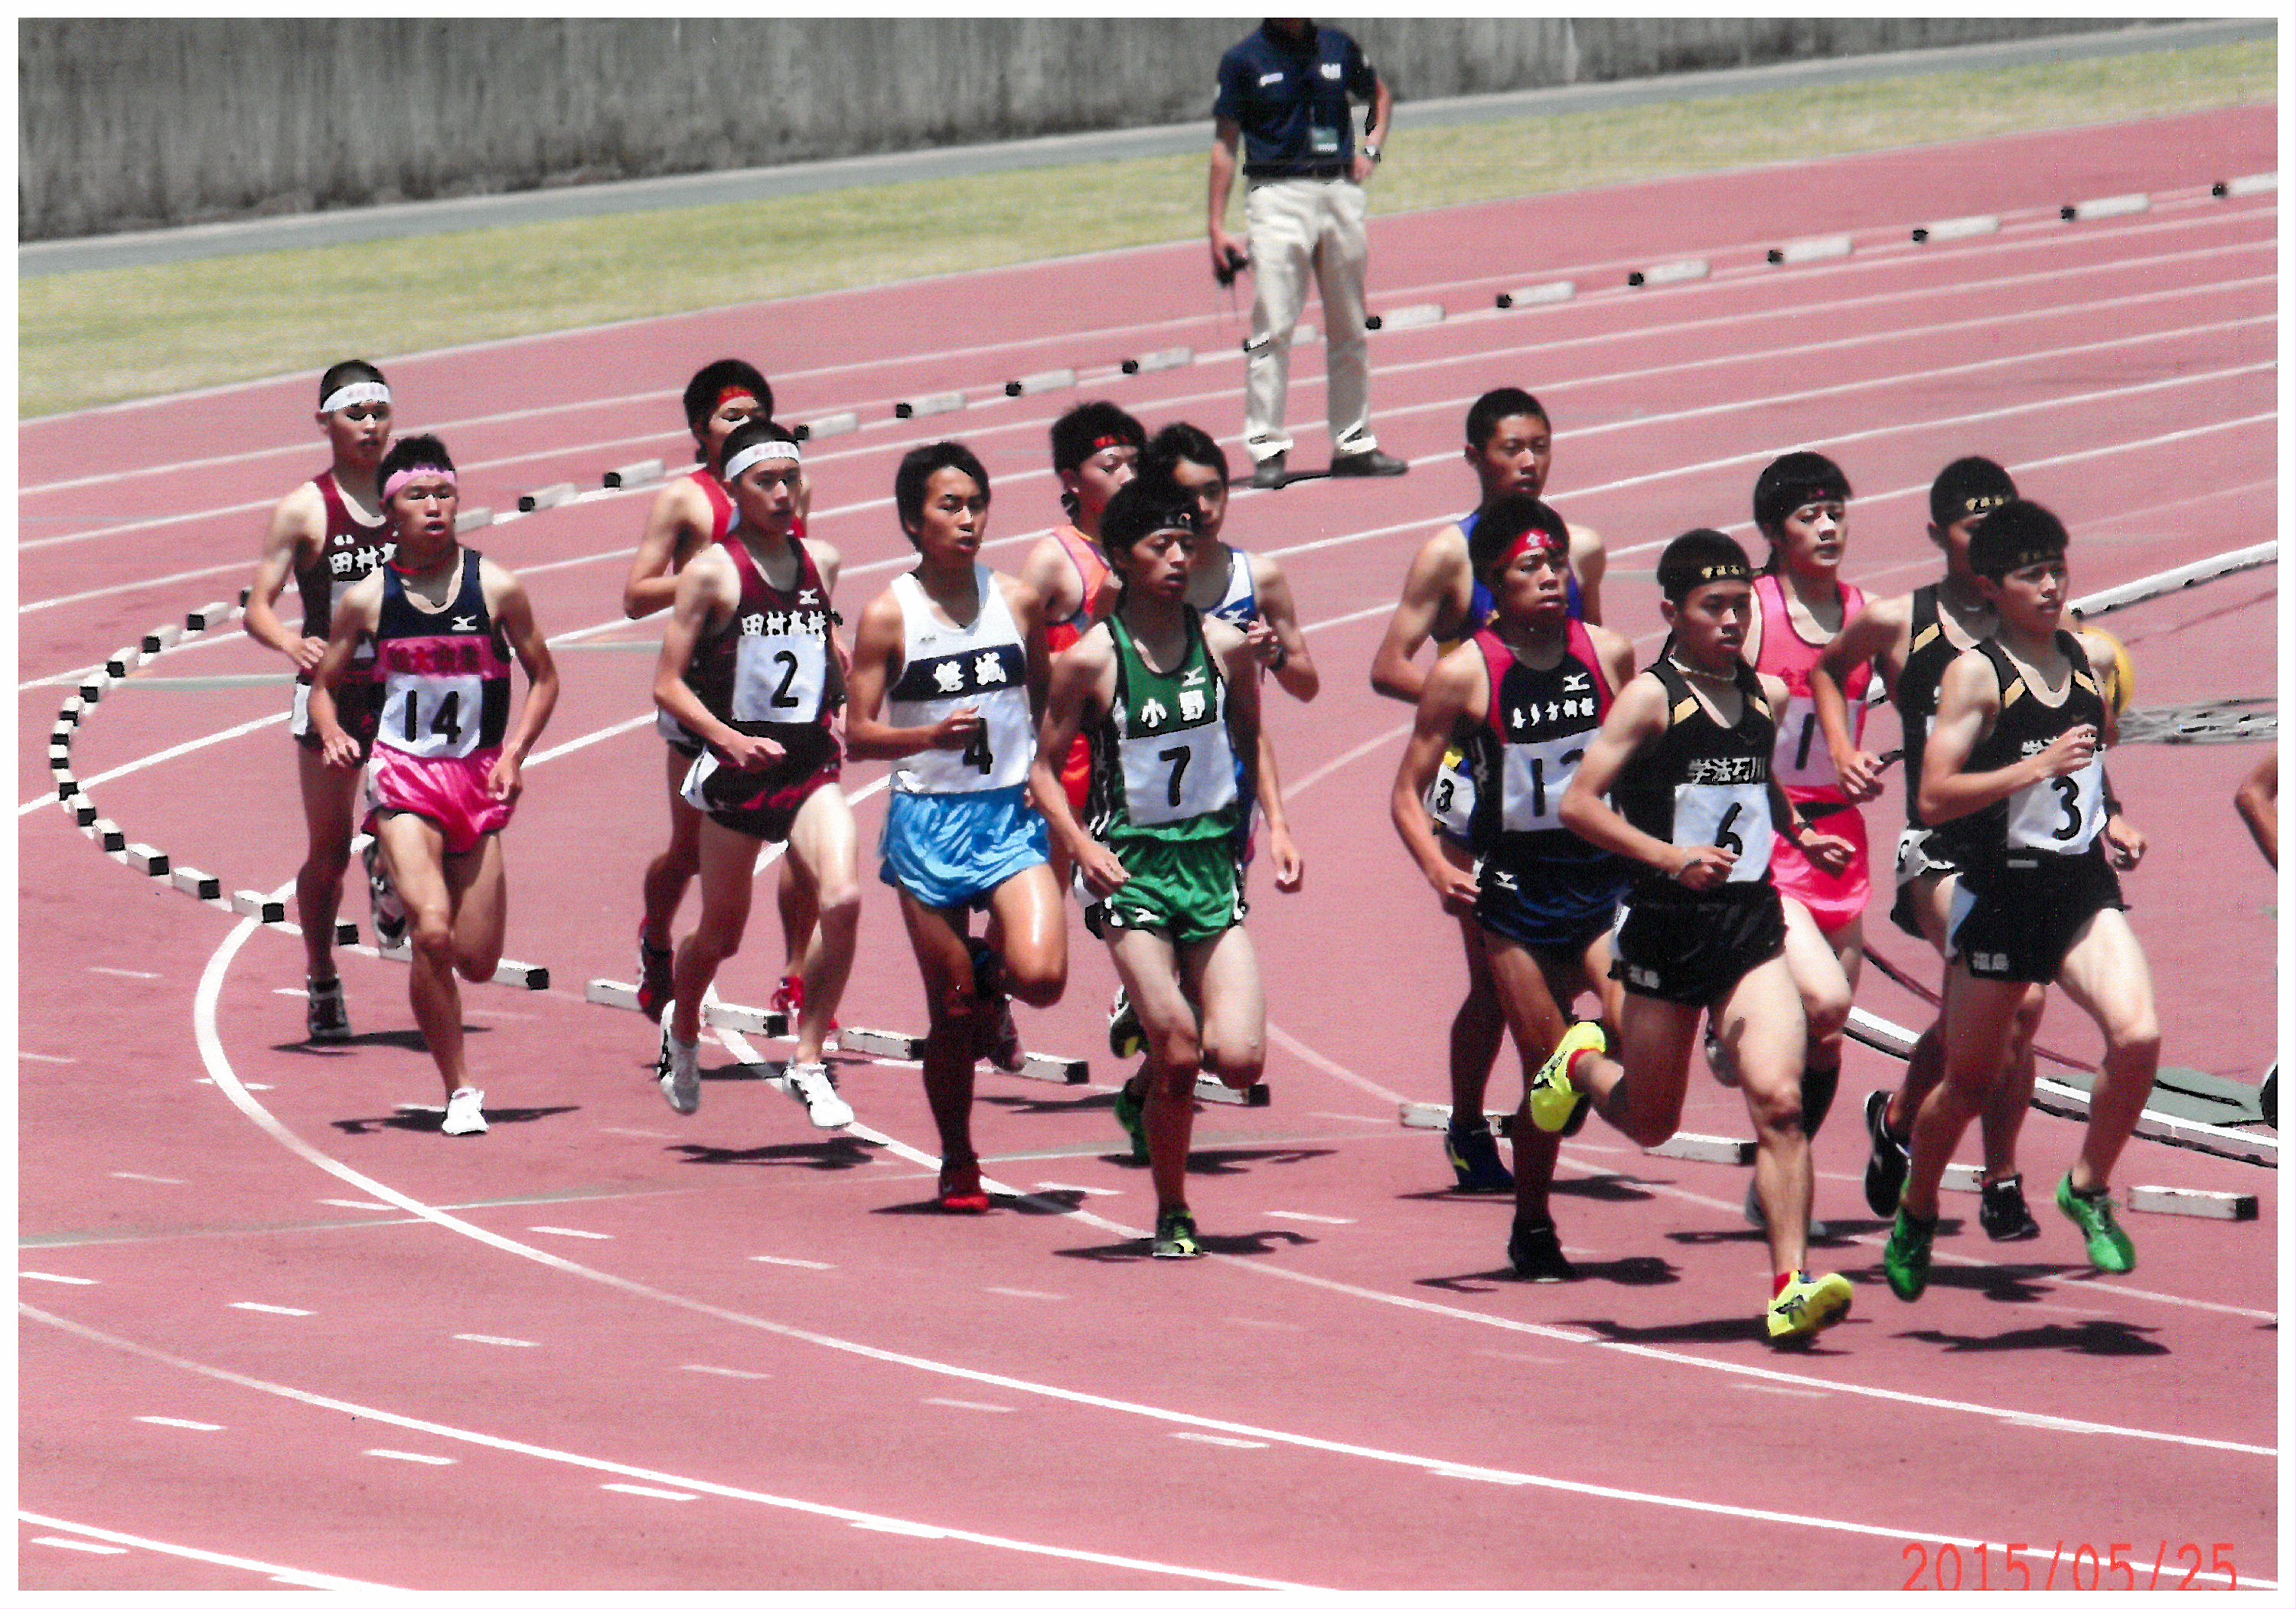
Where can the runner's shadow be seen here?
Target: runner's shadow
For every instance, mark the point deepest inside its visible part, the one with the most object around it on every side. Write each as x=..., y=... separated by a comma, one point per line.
x=1602, y=1186
x=2090, y=1338
x=1216, y=1162
x=428, y=1121
x=1996, y=1281
x=1751, y=1330
x=1043, y=1204
x=1028, y=1105
x=1618, y=1272
x=1258, y=1243
x=832, y=1155
x=398, y=1039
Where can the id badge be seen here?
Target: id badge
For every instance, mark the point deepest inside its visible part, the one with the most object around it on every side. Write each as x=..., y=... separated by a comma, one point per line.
x=1323, y=142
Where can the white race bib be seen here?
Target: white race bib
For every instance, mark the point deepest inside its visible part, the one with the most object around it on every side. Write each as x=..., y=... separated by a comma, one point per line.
x=1801, y=759
x=1536, y=773
x=1735, y=818
x=1451, y=796
x=1177, y=776
x=434, y=717
x=780, y=677
x=2059, y=815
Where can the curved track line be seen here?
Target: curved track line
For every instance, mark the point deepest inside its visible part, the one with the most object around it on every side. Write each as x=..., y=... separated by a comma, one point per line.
x=285, y=1575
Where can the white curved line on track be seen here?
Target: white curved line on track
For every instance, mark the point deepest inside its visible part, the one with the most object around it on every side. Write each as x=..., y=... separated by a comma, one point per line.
x=285, y=1575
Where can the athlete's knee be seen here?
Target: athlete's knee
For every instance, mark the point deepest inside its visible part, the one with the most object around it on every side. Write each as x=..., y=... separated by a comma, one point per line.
x=838, y=901
x=2134, y=1031
x=1179, y=1050
x=1648, y=1129
x=479, y=965
x=1775, y=1106
x=1036, y=981
x=431, y=931
x=1237, y=1066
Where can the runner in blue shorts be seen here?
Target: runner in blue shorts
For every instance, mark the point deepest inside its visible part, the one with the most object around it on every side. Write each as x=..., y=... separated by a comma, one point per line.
x=948, y=681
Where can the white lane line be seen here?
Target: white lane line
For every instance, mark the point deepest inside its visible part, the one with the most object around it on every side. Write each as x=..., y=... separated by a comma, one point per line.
x=716, y=1368
x=406, y=1457
x=73, y=1543
x=122, y=972
x=650, y=1491
x=286, y=1575
x=978, y=1408
x=147, y=1178
x=571, y=1234
x=791, y=1263
x=88, y=783
x=1309, y=1218
x=1047, y=1183
x=53, y=1279
x=655, y=1477
x=264, y=1307
x=1006, y=1290
x=1192, y=1435
x=498, y=1340
x=356, y=1206
x=1463, y=1473
x=175, y=1423
x=33, y=1056
x=138, y=584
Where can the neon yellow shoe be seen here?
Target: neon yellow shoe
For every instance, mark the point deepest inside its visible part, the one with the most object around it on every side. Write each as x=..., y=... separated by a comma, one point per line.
x=1553, y=1096
x=1807, y=1306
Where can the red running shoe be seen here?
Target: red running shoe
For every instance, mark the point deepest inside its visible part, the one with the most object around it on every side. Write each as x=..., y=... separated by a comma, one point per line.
x=788, y=1000
x=960, y=1188
x=654, y=985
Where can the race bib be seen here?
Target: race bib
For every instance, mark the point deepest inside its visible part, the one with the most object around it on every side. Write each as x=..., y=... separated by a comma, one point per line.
x=1801, y=759
x=1177, y=776
x=1451, y=796
x=2059, y=815
x=434, y=717
x=1536, y=773
x=1735, y=818
x=780, y=677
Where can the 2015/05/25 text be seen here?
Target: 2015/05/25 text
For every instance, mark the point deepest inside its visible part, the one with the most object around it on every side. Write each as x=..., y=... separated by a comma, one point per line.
x=2083, y=1567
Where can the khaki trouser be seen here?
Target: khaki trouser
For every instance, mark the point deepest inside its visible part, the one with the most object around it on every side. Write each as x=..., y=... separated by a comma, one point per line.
x=1300, y=226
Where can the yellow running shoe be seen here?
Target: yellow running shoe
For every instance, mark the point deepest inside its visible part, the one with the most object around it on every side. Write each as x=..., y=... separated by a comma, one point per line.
x=1807, y=1306
x=1553, y=1096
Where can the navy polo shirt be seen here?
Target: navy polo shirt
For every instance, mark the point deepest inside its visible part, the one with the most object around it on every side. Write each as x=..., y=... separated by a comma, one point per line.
x=1290, y=100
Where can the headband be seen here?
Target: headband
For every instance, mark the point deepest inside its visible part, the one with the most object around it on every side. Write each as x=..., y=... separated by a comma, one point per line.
x=417, y=472
x=760, y=452
x=351, y=395
x=1538, y=536
x=732, y=391
x=1681, y=583
x=1100, y=443
x=1982, y=503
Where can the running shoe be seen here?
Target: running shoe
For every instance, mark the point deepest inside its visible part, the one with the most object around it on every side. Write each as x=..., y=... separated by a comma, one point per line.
x=678, y=1070
x=464, y=1115
x=1535, y=1252
x=1175, y=1234
x=999, y=1037
x=654, y=984
x=1554, y=1098
x=389, y=909
x=1906, y=1255
x=1130, y=1111
x=2108, y=1244
x=1819, y=1229
x=960, y=1188
x=789, y=999
x=1474, y=1156
x=1807, y=1306
x=1891, y=1162
x=324, y=1015
x=812, y=1086
x=2002, y=1212
x=1125, y=1038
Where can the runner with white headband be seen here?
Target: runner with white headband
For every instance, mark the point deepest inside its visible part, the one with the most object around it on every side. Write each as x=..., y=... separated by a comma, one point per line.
x=693, y=513
x=328, y=533
x=749, y=664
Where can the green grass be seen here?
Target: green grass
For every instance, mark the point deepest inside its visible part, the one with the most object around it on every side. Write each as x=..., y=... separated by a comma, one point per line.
x=86, y=339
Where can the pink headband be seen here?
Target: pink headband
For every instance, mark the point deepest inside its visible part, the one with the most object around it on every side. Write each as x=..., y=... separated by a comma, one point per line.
x=419, y=471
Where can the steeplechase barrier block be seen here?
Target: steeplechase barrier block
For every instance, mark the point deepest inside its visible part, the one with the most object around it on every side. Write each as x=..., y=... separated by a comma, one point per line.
x=472, y=519
x=634, y=475
x=546, y=496
x=1168, y=358
x=123, y=661
x=68, y=712
x=2254, y=183
x=198, y=885
x=830, y=424
x=1416, y=317
x=1209, y=1088
x=1818, y=250
x=1958, y=228
x=2231, y=1206
x=207, y=617
x=2171, y=581
x=1050, y=380
x=258, y=907
x=1427, y=1115
x=1051, y=1069
x=928, y=405
x=2107, y=205
x=83, y=811
x=146, y=859
x=91, y=691
x=60, y=757
x=1536, y=296
x=162, y=638
x=1669, y=274
x=611, y=991
x=1962, y=1177
x=347, y=933
x=517, y=974
x=749, y=1019
x=2236, y=1145
x=108, y=834
x=881, y=1042
x=1706, y=1148
x=67, y=787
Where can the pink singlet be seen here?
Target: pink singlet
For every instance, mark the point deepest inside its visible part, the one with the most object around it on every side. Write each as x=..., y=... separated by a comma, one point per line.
x=1803, y=764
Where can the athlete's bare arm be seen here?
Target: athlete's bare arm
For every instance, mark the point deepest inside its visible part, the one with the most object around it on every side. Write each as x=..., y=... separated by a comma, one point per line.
x=1027, y=607
x=1969, y=702
x=513, y=610
x=296, y=534
x=1455, y=700
x=1877, y=632
x=2107, y=667
x=1083, y=683
x=2258, y=801
x=1053, y=575
x=877, y=662
x=709, y=591
x=1614, y=657
x=355, y=616
x=1239, y=663
x=677, y=525
x=1637, y=717
x=1589, y=561
x=1437, y=590
x=1277, y=637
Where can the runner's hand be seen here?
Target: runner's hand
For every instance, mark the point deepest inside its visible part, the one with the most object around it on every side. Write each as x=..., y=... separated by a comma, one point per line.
x=1104, y=872
x=2072, y=751
x=1829, y=854
x=956, y=729
x=341, y=749
x=748, y=753
x=1861, y=775
x=1705, y=866
x=2123, y=842
x=505, y=779
x=1291, y=869
x=308, y=652
x=1456, y=887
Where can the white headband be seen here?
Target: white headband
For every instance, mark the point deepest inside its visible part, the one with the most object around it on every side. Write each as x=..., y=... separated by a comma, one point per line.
x=351, y=395
x=760, y=452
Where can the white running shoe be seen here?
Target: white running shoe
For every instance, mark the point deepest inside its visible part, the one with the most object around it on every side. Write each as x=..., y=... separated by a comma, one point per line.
x=463, y=1113
x=678, y=1070
x=815, y=1088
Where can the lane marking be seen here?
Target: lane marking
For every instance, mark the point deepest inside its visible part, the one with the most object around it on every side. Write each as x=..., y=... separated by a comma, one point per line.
x=1463, y=1473
x=978, y=1408
x=714, y=1369
x=1310, y=1217
x=33, y=1056
x=406, y=1457
x=1002, y=1290
x=75, y=1544
x=175, y=1423
x=1191, y=1435
x=53, y=1279
x=286, y=1575
x=791, y=1263
x=650, y=1491
x=498, y=1340
x=1047, y=1183
x=121, y=972
x=147, y=1178
x=572, y=1234
x=264, y=1307
x=356, y=1206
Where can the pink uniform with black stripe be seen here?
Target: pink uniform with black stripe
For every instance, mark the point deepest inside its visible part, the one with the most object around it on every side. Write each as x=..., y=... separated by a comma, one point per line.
x=444, y=678
x=1804, y=766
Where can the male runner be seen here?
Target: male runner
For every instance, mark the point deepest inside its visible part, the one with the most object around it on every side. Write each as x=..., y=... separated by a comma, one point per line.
x=328, y=533
x=1170, y=703
x=443, y=624
x=2014, y=757
x=948, y=677
x=1524, y=704
x=748, y=666
x=1913, y=638
x=1510, y=447
x=1678, y=782
x=691, y=513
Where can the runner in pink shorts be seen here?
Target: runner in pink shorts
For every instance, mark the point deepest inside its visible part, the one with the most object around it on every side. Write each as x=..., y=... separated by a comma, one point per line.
x=444, y=624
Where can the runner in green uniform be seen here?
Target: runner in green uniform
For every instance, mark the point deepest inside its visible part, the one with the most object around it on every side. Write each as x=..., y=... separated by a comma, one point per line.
x=1168, y=701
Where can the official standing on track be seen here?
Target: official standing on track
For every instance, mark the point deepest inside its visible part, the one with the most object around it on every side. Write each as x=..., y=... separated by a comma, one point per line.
x=1285, y=89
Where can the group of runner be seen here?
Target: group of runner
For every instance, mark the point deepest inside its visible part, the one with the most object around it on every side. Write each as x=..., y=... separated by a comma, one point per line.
x=1680, y=845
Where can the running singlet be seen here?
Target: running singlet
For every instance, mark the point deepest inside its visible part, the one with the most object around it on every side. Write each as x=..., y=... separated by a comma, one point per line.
x=2058, y=815
x=1239, y=605
x=1163, y=769
x=350, y=550
x=445, y=675
x=1802, y=762
x=770, y=673
x=1096, y=595
x=1929, y=651
x=1527, y=751
x=724, y=517
x=944, y=668
x=1701, y=783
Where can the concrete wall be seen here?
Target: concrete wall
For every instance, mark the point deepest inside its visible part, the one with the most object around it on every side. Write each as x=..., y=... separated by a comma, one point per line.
x=130, y=123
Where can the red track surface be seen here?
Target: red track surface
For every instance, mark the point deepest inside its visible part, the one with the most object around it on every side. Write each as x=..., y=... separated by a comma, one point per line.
x=811, y=1378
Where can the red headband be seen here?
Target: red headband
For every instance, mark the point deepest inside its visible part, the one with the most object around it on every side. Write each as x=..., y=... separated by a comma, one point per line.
x=1101, y=442
x=732, y=391
x=1538, y=537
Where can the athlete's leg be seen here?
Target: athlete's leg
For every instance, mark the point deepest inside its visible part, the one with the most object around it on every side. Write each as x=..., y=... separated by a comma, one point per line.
x=668, y=873
x=329, y=793
x=1478, y=1028
x=1641, y=1093
x=1528, y=998
x=2105, y=974
x=726, y=862
x=825, y=842
x=1222, y=974
x=1760, y=1018
x=1815, y=968
x=795, y=899
x=1028, y=927
x=1149, y=969
x=479, y=889
x=1978, y=1014
x=415, y=853
x=937, y=935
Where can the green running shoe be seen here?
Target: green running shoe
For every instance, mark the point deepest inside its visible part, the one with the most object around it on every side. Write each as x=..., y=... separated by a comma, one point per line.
x=2108, y=1243
x=1553, y=1099
x=1906, y=1255
x=1129, y=1113
x=1175, y=1234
